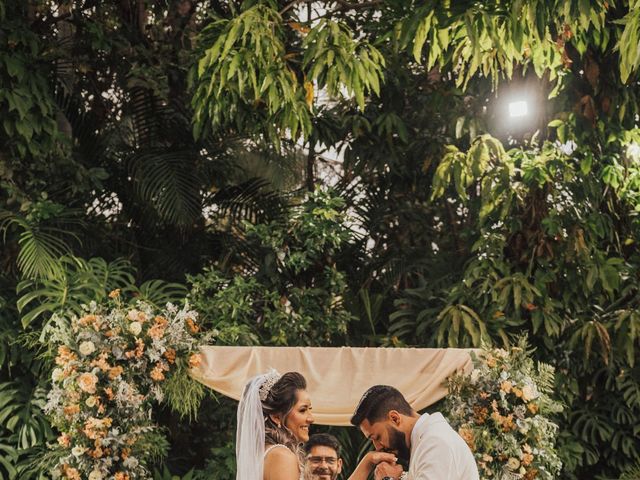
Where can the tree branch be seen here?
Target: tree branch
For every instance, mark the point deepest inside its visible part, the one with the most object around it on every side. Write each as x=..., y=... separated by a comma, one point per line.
x=292, y=4
x=344, y=5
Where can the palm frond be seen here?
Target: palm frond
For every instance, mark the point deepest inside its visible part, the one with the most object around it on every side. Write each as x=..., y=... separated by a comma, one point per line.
x=252, y=201
x=40, y=246
x=81, y=282
x=167, y=181
x=631, y=473
x=159, y=292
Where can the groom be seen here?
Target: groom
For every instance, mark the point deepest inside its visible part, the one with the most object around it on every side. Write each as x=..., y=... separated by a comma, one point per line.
x=432, y=448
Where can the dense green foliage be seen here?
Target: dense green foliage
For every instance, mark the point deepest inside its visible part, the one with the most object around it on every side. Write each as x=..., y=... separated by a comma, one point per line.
x=182, y=142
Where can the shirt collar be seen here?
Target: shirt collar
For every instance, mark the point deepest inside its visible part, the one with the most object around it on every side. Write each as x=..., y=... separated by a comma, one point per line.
x=416, y=432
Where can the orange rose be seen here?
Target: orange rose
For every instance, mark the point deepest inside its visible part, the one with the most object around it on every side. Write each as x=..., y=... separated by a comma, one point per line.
x=109, y=393
x=87, y=320
x=195, y=360
x=115, y=372
x=491, y=361
x=87, y=382
x=70, y=472
x=96, y=453
x=533, y=408
x=101, y=362
x=192, y=325
x=161, y=321
x=527, y=458
x=156, y=374
x=156, y=332
x=468, y=436
x=139, y=350
x=65, y=355
x=114, y=293
x=480, y=414
x=65, y=440
x=170, y=355
x=506, y=386
x=71, y=410
x=121, y=476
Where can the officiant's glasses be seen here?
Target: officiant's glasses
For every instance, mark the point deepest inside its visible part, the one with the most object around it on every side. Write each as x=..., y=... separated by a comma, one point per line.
x=318, y=460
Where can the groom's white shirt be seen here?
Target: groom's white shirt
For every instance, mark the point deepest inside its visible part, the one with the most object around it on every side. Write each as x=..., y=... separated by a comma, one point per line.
x=438, y=452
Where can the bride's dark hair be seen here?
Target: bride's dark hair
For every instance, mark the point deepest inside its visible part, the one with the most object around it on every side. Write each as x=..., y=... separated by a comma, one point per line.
x=281, y=399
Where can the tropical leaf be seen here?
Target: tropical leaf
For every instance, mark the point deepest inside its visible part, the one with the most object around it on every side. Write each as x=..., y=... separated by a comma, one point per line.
x=80, y=282
x=159, y=293
x=40, y=246
x=167, y=180
x=21, y=413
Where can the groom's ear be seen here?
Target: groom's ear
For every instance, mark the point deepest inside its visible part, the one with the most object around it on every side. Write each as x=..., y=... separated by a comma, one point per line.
x=395, y=417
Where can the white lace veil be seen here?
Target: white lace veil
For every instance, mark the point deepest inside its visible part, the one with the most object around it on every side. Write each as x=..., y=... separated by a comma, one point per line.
x=250, y=431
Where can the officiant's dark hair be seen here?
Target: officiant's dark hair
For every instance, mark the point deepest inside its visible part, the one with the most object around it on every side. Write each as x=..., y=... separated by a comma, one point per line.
x=323, y=440
x=377, y=402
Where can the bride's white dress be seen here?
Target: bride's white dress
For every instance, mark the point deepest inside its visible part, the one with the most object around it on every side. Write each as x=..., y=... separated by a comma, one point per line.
x=283, y=446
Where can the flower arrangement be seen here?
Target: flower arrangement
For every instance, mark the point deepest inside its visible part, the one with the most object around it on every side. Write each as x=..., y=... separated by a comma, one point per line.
x=112, y=363
x=501, y=410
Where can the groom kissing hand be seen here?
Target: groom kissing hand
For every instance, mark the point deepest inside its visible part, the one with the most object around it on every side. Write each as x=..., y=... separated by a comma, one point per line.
x=433, y=450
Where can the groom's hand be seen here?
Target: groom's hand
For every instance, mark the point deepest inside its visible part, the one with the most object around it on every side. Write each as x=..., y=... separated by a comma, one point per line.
x=385, y=469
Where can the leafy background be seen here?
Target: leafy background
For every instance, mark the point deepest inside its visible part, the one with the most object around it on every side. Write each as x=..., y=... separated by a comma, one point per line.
x=165, y=144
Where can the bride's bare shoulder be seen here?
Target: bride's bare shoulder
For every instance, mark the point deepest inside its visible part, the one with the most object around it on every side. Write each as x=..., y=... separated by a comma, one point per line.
x=281, y=463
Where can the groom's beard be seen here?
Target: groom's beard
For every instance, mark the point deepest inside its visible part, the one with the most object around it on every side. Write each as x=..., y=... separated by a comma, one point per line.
x=398, y=444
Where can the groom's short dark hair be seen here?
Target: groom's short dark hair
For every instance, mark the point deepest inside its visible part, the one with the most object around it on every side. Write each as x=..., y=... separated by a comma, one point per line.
x=377, y=402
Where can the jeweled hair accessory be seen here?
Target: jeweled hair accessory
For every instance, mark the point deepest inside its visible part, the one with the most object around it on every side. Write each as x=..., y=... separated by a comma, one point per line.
x=270, y=379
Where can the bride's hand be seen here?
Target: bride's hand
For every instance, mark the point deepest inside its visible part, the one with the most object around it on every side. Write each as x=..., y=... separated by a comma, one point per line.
x=376, y=457
x=369, y=462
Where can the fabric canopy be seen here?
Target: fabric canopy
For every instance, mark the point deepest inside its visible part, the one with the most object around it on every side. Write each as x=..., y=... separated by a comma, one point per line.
x=337, y=377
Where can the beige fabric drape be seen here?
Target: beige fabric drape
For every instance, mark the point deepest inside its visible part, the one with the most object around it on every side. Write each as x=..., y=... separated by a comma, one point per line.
x=337, y=377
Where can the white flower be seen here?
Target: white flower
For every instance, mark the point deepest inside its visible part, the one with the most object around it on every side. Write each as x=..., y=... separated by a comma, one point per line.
x=95, y=475
x=513, y=463
x=135, y=328
x=57, y=374
x=633, y=151
x=502, y=353
x=91, y=401
x=78, y=450
x=87, y=348
x=130, y=462
x=568, y=147
x=133, y=315
x=529, y=392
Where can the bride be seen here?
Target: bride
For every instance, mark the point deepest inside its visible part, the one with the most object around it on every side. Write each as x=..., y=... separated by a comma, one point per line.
x=274, y=415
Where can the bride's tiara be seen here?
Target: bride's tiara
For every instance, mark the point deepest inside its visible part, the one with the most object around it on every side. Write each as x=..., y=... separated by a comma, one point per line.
x=270, y=379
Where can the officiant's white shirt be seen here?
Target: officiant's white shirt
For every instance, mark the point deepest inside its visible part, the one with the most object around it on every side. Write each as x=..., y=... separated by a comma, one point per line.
x=438, y=452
